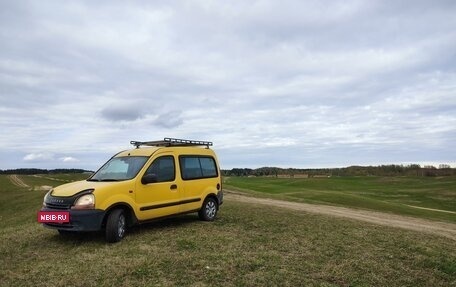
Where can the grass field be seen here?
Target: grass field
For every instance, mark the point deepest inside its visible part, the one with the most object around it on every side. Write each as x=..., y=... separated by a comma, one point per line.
x=247, y=245
x=399, y=195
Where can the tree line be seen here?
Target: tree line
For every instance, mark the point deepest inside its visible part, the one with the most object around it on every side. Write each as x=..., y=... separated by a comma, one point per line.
x=381, y=170
x=32, y=171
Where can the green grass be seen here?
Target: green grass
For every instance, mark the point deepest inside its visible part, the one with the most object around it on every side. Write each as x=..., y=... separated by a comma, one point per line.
x=247, y=245
x=387, y=194
x=52, y=179
x=17, y=204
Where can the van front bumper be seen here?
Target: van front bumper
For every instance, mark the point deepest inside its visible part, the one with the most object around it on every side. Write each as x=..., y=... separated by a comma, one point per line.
x=80, y=220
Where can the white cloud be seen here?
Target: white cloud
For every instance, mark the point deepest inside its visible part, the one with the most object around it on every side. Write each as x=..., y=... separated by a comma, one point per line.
x=301, y=82
x=38, y=157
x=68, y=159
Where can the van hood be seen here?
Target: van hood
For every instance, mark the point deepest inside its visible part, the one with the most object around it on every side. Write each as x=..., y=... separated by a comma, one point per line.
x=72, y=188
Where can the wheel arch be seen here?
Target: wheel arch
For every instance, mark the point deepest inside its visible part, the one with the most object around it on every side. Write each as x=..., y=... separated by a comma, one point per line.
x=214, y=196
x=129, y=213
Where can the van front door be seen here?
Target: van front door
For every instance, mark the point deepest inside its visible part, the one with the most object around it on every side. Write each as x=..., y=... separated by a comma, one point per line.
x=157, y=190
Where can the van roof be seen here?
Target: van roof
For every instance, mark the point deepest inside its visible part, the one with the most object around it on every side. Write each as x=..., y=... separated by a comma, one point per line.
x=150, y=147
x=148, y=151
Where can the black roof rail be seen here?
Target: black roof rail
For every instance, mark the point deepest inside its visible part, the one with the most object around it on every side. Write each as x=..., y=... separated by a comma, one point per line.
x=172, y=142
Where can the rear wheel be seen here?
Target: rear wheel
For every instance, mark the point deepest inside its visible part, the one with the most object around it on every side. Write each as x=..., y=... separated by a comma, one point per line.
x=116, y=226
x=209, y=209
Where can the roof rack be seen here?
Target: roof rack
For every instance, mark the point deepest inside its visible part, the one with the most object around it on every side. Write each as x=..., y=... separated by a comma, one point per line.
x=172, y=142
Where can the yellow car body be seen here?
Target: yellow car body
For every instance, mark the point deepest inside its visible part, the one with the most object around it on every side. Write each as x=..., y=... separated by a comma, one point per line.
x=140, y=184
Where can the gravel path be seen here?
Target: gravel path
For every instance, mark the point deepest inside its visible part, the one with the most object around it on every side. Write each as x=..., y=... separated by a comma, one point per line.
x=422, y=225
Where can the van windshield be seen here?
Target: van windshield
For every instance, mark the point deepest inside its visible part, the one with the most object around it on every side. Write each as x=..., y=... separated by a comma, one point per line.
x=120, y=168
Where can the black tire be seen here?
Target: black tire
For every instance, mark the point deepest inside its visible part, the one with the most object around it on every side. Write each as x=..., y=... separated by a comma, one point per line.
x=208, y=211
x=116, y=225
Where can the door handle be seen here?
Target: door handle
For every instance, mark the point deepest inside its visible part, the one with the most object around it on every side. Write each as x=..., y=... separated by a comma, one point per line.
x=173, y=186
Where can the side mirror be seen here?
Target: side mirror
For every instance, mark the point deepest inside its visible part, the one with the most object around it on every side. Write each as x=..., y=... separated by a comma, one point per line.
x=149, y=178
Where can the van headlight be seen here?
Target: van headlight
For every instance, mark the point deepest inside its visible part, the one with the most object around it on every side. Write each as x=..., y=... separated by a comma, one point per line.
x=46, y=197
x=86, y=201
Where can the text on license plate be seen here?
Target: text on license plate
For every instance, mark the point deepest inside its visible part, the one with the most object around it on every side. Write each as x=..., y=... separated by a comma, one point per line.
x=53, y=216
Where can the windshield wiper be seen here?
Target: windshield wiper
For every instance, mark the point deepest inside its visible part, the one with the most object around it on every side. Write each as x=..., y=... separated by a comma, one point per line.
x=109, y=179
x=92, y=179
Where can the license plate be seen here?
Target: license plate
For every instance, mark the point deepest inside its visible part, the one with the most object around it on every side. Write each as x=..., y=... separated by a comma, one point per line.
x=53, y=216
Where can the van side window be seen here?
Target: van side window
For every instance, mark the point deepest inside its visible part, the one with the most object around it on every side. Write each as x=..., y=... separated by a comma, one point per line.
x=164, y=168
x=208, y=167
x=195, y=167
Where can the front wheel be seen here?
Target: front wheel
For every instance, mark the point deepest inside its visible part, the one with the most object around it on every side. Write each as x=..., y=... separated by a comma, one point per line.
x=209, y=209
x=116, y=226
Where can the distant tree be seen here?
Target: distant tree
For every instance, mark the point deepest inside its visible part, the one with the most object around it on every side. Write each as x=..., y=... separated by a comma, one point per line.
x=382, y=170
x=32, y=171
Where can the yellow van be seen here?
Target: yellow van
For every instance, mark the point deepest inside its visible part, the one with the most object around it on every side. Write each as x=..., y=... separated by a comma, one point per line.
x=153, y=180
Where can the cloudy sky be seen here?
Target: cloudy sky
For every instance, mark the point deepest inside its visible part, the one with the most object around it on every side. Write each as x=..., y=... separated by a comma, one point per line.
x=271, y=83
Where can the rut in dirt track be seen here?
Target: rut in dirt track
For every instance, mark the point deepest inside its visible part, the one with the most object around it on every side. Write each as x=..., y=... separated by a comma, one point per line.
x=17, y=181
x=416, y=224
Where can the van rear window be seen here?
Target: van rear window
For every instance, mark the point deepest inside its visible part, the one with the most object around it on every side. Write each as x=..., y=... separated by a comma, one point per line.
x=196, y=167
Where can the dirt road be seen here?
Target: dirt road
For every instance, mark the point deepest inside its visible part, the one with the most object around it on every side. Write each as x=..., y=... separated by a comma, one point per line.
x=422, y=225
x=52, y=178
x=17, y=181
